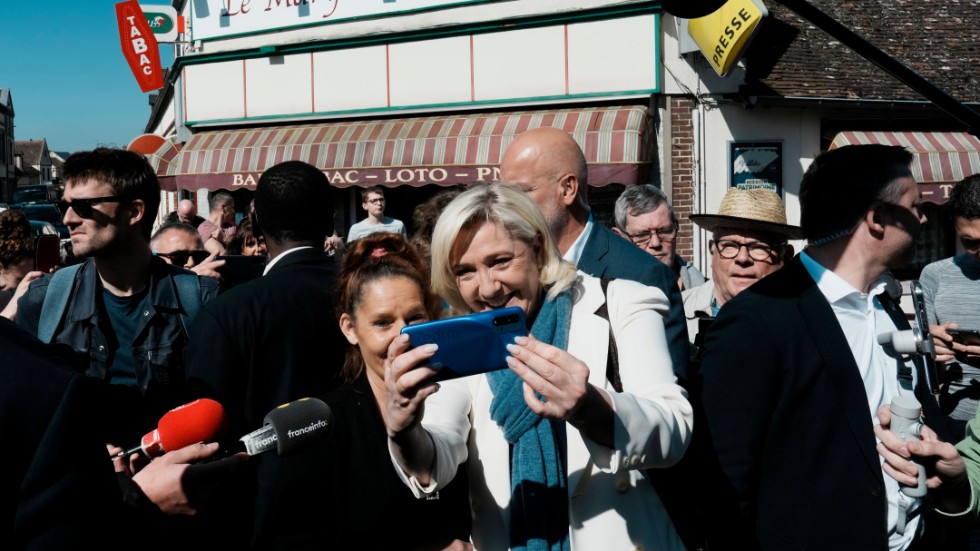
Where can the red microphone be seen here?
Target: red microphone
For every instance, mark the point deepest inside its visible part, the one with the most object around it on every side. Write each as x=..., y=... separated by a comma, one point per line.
x=202, y=420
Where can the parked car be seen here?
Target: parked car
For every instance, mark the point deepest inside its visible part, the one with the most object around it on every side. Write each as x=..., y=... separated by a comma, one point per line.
x=47, y=212
x=50, y=213
x=41, y=193
x=43, y=228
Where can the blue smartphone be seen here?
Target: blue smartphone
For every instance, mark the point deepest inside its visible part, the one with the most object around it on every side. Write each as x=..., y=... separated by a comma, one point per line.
x=470, y=344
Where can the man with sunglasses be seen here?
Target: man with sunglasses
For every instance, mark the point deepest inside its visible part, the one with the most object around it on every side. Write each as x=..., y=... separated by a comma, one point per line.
x=794, y=371
x=120, y=308
x=645, y=216
x=749, y=241
x=179, y=244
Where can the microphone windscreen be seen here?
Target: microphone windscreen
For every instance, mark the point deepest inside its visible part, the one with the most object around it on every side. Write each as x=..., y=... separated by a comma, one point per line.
x=299, y=424
x=202, y=420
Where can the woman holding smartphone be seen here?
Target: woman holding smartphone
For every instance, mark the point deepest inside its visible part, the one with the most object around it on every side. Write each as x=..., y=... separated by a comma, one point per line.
x=554, y=456
x=354, y=499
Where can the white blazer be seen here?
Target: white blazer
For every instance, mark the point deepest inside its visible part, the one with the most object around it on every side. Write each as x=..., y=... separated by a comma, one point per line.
x=611, y=504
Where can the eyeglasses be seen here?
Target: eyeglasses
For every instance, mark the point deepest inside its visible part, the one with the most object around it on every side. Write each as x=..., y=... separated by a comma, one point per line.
x=378, y=201
x=642, y=239
x=83, y=207
x=756, y=250
x=179, y=258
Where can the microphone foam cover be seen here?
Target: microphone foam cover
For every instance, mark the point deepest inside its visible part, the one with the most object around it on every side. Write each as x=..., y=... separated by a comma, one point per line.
x=299, y=424
x=202, y=420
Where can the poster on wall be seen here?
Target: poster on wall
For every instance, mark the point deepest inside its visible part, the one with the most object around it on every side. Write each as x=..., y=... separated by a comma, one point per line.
x=757, y=165
x=224, y=18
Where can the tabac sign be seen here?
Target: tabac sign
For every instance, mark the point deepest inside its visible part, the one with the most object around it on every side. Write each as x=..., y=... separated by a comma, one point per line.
x=723, y=35
x=139, y=46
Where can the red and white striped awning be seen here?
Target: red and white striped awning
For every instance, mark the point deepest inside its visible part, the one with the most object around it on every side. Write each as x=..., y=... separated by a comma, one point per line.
x=443, y=150
x=941, y=158
x=161, y=159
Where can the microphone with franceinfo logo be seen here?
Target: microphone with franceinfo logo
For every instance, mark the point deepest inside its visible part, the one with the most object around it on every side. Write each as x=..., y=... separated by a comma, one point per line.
x=291, y=428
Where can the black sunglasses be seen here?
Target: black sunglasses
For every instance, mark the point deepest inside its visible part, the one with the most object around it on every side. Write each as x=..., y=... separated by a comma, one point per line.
x=83, y=207
x=179, y=258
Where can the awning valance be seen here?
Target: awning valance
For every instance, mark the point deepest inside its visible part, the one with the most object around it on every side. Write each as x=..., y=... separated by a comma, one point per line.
x=941, y=158
x=442, y=150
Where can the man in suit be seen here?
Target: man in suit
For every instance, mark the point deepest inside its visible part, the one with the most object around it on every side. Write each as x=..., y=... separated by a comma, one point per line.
x=273, y=339
x=793, y=374
x=549, y=165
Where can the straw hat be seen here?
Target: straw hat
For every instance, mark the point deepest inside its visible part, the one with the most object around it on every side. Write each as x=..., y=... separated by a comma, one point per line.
x=758, y=209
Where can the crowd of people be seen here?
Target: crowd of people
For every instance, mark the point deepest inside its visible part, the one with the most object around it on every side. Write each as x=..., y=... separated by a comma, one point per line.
x=649, y=406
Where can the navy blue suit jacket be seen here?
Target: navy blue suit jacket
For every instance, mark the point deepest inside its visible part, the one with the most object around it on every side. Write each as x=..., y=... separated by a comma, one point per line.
x=607, y=255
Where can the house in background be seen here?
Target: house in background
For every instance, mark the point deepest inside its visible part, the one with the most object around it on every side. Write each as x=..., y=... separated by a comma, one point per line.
x=8, y=170
x=33, y=162
x=57, y=162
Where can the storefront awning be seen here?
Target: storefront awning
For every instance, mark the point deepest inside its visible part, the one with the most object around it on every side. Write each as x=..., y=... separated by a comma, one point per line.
x=442, y=150
x=161, y=160
x=941, y=158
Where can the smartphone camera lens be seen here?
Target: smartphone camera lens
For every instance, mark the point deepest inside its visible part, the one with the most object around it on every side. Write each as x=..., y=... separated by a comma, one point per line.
x=505, y=320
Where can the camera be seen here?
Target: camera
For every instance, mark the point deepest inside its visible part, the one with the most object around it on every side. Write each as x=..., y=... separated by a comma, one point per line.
x=907, y=425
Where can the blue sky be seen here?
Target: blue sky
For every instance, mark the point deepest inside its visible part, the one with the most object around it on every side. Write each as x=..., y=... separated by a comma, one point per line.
x=69, y=81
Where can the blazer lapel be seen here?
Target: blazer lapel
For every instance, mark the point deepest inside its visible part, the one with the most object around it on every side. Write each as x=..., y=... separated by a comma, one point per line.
x=824, y=329
x=596, y=247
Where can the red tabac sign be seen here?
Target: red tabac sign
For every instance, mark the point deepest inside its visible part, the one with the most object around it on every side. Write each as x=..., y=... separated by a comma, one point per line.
x=139, y=45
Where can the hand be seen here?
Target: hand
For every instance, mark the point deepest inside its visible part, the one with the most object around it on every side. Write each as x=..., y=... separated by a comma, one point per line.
x=333, y=245
x=943, y=341
x=177, y=486
x=561, y=379
x=943, y=463
x=209, y=267
x=407, y=385
x=10, y=311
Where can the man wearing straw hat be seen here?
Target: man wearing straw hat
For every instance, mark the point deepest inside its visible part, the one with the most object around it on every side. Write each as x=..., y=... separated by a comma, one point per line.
x=749, y=242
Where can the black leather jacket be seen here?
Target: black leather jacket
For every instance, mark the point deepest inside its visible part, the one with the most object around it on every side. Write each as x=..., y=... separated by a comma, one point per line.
x=160, y=343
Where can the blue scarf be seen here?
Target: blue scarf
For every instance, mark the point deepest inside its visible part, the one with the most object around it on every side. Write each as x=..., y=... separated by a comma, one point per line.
x=539, y=494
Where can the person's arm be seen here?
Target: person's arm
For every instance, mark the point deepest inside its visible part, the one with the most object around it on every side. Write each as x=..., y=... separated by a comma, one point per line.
x=651, y=418
x=10, y=311
x=426, y=456
x=178, y=482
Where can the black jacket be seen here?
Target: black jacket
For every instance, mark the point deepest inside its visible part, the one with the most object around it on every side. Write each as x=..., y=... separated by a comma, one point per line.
x=788, y=416
x=259, y=345
x=158, y=350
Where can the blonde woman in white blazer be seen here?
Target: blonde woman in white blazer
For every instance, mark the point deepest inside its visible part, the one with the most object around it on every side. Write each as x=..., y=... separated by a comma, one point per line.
x=555, y=456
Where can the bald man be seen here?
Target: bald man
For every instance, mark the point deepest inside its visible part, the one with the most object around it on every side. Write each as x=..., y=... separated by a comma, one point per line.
x=186, y=213
x=548, y=164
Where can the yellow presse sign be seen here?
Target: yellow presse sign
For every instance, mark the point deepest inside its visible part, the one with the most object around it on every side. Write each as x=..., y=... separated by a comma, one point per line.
x=724, y=33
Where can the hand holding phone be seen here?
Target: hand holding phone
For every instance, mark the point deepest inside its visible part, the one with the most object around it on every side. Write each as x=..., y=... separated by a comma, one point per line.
x=969, y=337
x=471, y=344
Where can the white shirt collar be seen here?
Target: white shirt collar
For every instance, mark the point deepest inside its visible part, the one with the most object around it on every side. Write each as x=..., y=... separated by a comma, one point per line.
x=833, y=286
x=574, y=253
x=282, y=254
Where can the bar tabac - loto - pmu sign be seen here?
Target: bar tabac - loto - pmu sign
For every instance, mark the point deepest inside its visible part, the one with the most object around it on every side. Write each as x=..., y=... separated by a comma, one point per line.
x=724, y=34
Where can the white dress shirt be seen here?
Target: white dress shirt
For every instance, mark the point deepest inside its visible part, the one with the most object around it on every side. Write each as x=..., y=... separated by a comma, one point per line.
x=862, y=318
